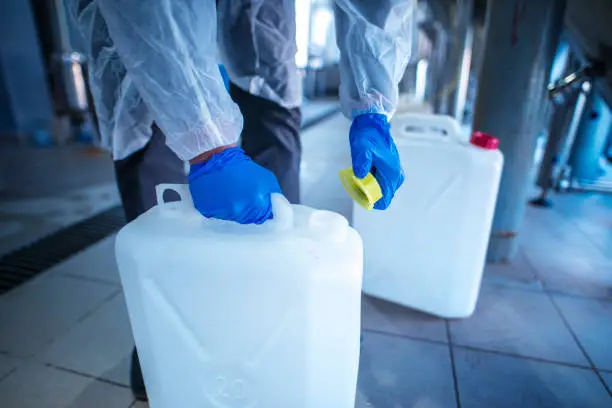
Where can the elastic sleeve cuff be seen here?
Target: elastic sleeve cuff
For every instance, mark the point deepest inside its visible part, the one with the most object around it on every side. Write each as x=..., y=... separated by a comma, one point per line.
x=204, y=138
x=371, y=103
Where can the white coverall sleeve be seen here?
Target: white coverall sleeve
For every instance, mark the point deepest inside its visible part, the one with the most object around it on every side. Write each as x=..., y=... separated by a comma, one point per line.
x=169, y=50
x=374, y=38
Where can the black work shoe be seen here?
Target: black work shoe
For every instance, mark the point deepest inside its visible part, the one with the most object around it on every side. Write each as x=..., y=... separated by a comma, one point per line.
x=136, y=380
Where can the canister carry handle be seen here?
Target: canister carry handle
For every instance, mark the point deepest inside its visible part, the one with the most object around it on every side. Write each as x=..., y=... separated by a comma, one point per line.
x=409, y=124
x=181, y=189
x=281, y=208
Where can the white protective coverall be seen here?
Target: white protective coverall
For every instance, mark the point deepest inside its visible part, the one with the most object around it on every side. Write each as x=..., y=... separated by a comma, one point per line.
x=157, y=60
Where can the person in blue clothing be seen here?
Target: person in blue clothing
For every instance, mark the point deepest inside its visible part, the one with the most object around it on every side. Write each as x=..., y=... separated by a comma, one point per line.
x=160, y=99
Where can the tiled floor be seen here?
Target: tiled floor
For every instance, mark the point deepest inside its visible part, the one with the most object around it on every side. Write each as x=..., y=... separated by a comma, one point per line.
x=25, y=220
x=497, y=380
x=540, y=337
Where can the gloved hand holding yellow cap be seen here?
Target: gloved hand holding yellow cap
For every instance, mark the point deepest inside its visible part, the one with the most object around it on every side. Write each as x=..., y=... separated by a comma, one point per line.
x=377, y=172
x=366, y=191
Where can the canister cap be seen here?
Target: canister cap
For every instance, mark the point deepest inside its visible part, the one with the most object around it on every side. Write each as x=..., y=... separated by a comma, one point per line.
x=366, y=192
x=484, y=141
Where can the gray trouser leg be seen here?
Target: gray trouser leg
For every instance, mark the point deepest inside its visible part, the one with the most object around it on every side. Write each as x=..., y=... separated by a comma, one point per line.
x=271, y=137
x=137, y=176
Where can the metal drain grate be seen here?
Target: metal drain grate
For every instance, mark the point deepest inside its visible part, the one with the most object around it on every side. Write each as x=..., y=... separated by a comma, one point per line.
x=20, y=265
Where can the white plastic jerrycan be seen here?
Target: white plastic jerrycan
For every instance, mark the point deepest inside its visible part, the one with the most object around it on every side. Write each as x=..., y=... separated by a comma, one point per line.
x=233, y=316
x=427, y=251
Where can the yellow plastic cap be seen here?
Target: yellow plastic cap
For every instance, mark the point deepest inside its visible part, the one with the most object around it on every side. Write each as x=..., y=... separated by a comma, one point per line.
x=366, y=192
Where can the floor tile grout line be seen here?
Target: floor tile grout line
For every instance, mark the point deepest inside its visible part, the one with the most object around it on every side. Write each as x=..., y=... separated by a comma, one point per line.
x=20, y=358
x=544, y=289
x=405, y=336
x=577, y=296
x=571, y=330
x=89, y=279
x=93, y=377
x=104, y=301
x=550, y=292
x=536, y=273
x=513, y=287
x=8, y=374
x=144, y=404
x=523, y=357
x=584, y=234
x=579, y=344
x=451, y=353
x=68, y=370
x=81, y=319
x=497, y=352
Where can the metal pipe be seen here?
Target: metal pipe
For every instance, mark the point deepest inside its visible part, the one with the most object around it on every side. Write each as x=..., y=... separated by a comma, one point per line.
x=560, y=171
x=457, y=61
x=558, y=124
x=557, y=137
x=460, y=95
x=590, y=141
x=574, y=79
x=520, y=43
x=435, y=87
x=63, y=44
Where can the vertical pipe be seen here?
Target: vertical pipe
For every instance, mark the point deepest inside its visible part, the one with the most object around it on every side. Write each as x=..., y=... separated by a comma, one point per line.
x=582, y=104
x=62, y=31
x=458, y=53
x=557, y=131
x=437, y=30
x=521, y=39
x=608, y=148
x=435, y=86
x=460, y=96
x=590, y=140
x=558, y=126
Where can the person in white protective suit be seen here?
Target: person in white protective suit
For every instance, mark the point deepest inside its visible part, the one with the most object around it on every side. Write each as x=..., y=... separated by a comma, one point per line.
x=160, y=99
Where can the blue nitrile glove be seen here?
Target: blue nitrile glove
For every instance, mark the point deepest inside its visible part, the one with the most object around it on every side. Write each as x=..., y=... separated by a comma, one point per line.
x=373, y=150
x=230, y=186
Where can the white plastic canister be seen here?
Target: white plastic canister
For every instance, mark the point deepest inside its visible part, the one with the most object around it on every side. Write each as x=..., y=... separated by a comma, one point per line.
x=427, y=251
x=235, y=316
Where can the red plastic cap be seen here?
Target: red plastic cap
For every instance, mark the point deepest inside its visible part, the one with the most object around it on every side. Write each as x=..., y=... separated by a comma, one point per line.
x=484, y=140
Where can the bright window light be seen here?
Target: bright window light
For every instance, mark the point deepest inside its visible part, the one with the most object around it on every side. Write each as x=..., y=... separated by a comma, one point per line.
x=322, y=20
x=302, y=31
x=421, y=80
